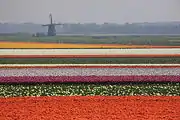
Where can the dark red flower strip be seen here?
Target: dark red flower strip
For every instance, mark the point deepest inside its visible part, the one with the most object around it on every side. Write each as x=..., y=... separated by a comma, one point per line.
x=92, y=56
x=94, y=107
x=21, y=79
x=93, y=66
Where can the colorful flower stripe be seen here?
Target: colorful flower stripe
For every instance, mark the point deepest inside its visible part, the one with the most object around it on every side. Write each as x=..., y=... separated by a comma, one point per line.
x=133, y=78
x=5, y=44
x=88, y=71
x=89, y=65
x=97, y=107
x=89, y=74
x=79, y=53
x=89, y=56
x=91, y=89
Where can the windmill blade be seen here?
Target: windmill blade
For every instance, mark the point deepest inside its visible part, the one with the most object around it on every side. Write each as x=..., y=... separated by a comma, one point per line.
x=46, y=25
x=51, y=20
x=58, y=24
x=52, y=24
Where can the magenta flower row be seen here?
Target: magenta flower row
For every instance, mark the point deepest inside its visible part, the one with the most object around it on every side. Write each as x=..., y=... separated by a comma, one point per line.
x=41, y=79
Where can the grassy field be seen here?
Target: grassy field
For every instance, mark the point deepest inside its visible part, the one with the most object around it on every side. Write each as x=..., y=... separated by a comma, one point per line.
x=135, y=40
x=58, y=89
x=170, y=60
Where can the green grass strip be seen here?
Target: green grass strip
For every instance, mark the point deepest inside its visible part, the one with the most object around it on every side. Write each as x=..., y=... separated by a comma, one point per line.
x=83, y=89
x=172, y=60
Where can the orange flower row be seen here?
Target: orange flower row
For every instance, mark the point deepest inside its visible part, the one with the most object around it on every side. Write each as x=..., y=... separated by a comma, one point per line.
x=63, y=45
x=94, y=107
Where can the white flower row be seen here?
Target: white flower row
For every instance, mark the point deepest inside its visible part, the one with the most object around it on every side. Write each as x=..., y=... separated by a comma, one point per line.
x=89, y=72
x=171, y=51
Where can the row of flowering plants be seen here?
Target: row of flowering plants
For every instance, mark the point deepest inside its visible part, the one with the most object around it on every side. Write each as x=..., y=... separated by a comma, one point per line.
x=91, y=107
x=89, y=73
x=104, y=97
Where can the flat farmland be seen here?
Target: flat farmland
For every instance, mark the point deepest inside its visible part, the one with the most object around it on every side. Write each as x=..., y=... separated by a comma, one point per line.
x=78, y=42
x=164, y=40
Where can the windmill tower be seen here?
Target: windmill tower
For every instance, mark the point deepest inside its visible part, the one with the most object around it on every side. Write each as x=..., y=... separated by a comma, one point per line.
x=51, y=27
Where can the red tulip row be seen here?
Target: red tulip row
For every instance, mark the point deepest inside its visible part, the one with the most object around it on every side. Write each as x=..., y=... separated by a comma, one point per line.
x=94, y=107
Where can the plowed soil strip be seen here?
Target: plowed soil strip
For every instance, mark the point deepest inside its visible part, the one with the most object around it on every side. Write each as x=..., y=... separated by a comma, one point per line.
x=96, y=108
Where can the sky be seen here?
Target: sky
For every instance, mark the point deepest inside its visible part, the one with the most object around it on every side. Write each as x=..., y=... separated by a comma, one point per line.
x=89, y=11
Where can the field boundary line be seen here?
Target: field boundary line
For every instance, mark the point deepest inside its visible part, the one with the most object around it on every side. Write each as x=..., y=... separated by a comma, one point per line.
x=89, y=65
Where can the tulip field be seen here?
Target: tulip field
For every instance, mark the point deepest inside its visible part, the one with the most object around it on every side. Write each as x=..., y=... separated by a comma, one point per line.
x=50, y=81
x=4, y=44
x=89, y=73
x=89, y=107
x=90, y=91
x=88, y=53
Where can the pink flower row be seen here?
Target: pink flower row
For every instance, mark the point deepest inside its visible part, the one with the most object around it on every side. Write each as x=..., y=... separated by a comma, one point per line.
x=41, y=79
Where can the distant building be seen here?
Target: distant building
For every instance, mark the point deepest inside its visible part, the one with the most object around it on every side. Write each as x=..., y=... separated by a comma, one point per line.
x=39, y=35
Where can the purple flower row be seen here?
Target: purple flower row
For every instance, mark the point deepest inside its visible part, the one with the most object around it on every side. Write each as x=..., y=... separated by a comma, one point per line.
x=88, y=71
x=22, y=79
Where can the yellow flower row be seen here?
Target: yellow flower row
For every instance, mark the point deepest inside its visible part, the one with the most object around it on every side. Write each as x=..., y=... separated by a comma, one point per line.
x=61, y=45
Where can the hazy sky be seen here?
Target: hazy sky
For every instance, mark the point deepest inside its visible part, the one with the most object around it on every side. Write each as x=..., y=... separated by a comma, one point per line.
x=99, y=11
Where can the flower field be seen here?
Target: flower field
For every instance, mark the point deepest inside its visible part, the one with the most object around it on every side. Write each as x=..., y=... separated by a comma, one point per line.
x=89, y=73
x=96, y=108
x=90, y=78
x=88, y=53
x=37, y=88
x=4, y=44
x=89, y=91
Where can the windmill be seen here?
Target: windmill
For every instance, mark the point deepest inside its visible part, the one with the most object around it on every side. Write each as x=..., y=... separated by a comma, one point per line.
x=51, y=27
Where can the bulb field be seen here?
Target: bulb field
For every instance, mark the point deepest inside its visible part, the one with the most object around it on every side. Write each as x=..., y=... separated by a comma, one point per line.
x=90, y=91
x=89, y=73
x=68, y=45
x=88, y=81
x=89, y=107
